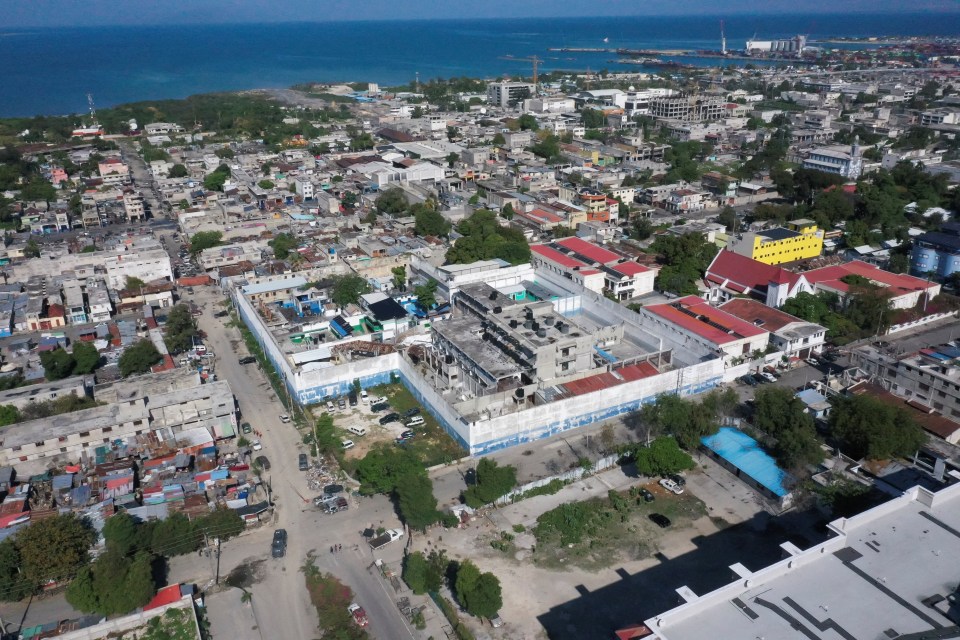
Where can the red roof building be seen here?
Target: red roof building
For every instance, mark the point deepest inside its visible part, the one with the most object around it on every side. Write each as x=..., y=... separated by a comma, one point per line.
x=595, y=268
x=731, y=274
x=693, y=318
x=905, y=291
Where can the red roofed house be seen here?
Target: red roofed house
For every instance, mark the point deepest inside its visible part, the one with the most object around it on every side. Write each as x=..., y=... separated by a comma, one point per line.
x=904, y=290
x=796, y=338
x=731, y=274
x=594, y=268
x=693, y=319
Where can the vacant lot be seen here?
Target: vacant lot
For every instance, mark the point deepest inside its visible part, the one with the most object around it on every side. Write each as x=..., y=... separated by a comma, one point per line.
x=431, y=444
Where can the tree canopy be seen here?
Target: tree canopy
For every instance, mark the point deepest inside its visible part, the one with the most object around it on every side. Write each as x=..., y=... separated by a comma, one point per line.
x=283, y=244
x=779, y=413
x=429, y=221
x=663, y=457
x=492, y=482
x=478, y=593
x=57, y=364
x=415, y=500
x=382, y=467
x=178, y=171
x=426, y=294
x=54, y=548
x=138, y=358
x=484, y=239
x=215, y=180
x=204, y=240
x=179, y=330
x=867, y=427
x=392, y=201
x=348, y=289
x=685, y=258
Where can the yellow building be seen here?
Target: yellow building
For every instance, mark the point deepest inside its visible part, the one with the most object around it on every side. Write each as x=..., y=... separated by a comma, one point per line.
x=799, y=240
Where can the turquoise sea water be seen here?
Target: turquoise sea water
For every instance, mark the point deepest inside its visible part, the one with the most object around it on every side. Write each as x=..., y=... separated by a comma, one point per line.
x=51, y=71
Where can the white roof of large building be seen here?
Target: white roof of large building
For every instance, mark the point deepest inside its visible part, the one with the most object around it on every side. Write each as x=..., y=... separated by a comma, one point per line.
x=887, y=573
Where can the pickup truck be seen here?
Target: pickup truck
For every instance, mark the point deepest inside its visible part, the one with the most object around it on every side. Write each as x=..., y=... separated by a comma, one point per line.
x=386, y=538
x=359, y=615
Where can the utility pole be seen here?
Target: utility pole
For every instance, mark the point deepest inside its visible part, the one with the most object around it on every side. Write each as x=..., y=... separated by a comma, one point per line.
x=217, y=579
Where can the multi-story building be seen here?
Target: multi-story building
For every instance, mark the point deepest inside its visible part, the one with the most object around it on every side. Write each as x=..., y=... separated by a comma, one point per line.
x=215, y=257
x=940, y=116
x=686, y=200
x=305, y=188
x=799, y=240
x=133, y=206
x=692, y=318
x=98, y=300
x=147, y=265
x=688, y=108
x=509, y=94
x=74, y=307
x=594, y=267
x=930, y=377
x=113, y=171
x=841, y=160
x=793, y=337
x=795, y=45
x=937, y=252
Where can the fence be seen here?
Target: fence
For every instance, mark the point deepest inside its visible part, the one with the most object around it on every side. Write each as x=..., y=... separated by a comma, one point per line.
x=567, y=476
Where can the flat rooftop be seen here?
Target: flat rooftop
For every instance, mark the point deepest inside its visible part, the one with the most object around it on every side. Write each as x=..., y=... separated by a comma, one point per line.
x=886, y=574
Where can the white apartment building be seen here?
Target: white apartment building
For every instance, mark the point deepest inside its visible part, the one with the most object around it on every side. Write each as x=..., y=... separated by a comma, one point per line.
x=844, y=161
x=305, y=188
x=147, y=265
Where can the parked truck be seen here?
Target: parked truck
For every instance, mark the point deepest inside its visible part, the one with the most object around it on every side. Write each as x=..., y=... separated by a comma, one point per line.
x=386, y=538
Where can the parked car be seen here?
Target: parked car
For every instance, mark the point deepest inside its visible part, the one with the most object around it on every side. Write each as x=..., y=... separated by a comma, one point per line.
x=769, y=377
x=341, y=404
x=378, y=400
x=330, y=407
x=748, y=379
x=406, y=435
x=256, y=445
x=679, y=479
x=660, y=520
x=247, y=360
x=409, y=413
x=303, y=462
x=279, y=545
x=496, y=621
x=246, y=428
x=263, y=461
x=359, y=615
x=346, y=444
x=390, y=417
x=333, y=489
x=646, y=495
x=220, y=314
x=379, y=406
x=352, y=398
x=813, y=362
x=672, y=486
x=284, y=418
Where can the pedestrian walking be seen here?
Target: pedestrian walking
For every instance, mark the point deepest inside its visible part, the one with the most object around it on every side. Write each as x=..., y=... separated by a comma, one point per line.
x=331, y=549
x=339, y=547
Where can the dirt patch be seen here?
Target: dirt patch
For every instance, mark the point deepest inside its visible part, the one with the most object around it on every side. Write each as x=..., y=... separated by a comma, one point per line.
x=246, y=574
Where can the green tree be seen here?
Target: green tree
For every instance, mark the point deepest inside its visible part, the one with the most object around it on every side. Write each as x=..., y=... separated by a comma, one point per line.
x=777, y=409
x=415, y=501
x=348, y=289
x=399, y=276
x=283, y=244
x=728, y=218
x=507, y=212
x=382, y=467
x=138, y=358
x=426, y=294
x=173, y=536
x=492, y=482
x=38, y=190
x=415, y=569
x=548, y=148
x=86, y=358
x=57, y=364
x=225, y=153
x=14, y=585
x=452, y=159
x=662, y=457
x=179, y=329
x=527, y=122
x=120, y=533
x=215, y=180
x=392, y=201
x=484, y=239
x=266, y=184
x=468, y=574
x=204, y=240
x=114, y=584
x=32, y=249
x=641, y=228
x=430, y=222
x=178, y=171
x=222, y=522
x=132, y=283
x=593, y=118
x=54, y=548
x=868, y=427
x=498, y=140
x=486, y=598
x=9, y=414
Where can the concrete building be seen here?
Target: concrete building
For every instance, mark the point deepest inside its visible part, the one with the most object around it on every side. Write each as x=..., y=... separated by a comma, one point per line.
x=133, y=206
x=148, y=265
x=215, y=257
x=841, y=160
x=903, y=291
x=113, y=171
x=937, y=252
x=165, y=415
x=509, y=94
x=721, y=332
x=794, y=45
x=22, y=397
x=882, y=573
x=688, y=108
x=799, y=240
x=930, y=378
x=940, y=116
x=795, y=338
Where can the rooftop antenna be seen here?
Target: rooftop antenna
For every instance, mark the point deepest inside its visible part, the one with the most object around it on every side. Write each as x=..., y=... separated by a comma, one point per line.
x=416, y=84
x=93, y=109
x=723, y=40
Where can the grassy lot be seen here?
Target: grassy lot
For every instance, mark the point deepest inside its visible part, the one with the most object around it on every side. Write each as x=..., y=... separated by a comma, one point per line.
x=602, y=532
x=432, y=444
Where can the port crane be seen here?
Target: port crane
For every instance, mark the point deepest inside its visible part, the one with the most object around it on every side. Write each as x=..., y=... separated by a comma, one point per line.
x=532, y=59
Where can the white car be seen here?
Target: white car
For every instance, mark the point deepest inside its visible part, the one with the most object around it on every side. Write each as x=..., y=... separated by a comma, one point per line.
x=346, y=444
x=284, y=418
x=670, y=485
x=378, y=400
x=769, y=377
x=813, y=362
x=256, y=445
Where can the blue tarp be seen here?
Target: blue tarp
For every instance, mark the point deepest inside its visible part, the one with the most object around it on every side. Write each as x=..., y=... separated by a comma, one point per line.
x=745, y=453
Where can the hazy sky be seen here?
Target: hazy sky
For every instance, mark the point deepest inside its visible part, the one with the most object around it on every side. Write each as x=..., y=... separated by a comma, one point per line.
x=32, y=13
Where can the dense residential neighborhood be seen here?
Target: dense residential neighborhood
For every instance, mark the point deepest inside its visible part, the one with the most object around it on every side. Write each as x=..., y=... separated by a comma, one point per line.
x=729, y=295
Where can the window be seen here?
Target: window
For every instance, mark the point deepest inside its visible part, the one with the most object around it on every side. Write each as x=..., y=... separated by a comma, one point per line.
x=137, y=423
x=16, y=448
x=107, y=429
x=84, y=434
x=38, y=444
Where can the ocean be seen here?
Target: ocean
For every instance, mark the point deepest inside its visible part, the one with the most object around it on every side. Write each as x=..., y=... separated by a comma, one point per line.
x=50, y=71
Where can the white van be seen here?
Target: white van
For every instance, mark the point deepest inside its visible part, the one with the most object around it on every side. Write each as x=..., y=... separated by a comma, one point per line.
x=330, y=407
x=415, y=421
x=346, y=444
x=364, y=397
x=357, y=431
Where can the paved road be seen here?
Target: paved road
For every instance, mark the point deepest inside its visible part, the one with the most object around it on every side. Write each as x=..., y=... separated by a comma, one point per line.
x=280, y=600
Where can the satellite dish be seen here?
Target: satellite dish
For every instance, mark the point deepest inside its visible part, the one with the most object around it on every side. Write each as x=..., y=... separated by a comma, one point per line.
x=632, y=88
x=133, y=124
